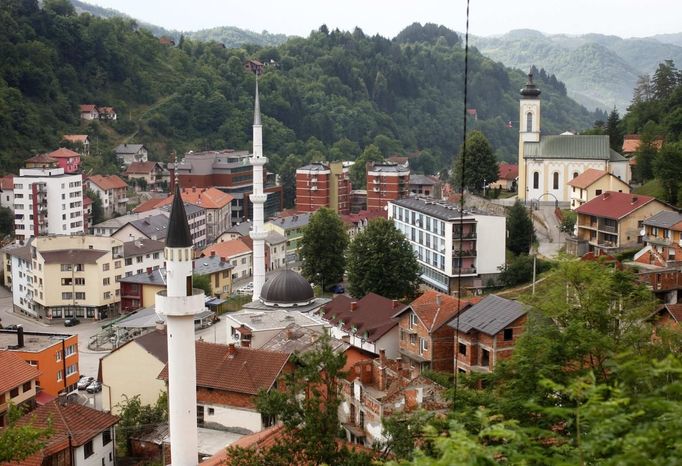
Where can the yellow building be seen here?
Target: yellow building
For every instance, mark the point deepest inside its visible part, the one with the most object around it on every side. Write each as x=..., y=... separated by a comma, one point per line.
x=591, y=183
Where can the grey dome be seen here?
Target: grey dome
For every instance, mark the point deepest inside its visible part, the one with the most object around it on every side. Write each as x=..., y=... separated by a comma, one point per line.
x=286, y=288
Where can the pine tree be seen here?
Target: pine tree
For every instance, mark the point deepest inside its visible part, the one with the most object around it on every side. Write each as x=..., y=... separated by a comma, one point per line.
x=613, y=129
x=520, y=231
x=323, y=248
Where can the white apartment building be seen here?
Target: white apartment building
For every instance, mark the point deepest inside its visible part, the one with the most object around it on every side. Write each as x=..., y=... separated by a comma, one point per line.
x=142, y=255
x=47, y=202
x=447, y=251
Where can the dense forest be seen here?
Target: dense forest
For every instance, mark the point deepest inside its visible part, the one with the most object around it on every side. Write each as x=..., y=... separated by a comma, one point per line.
x=326, y=96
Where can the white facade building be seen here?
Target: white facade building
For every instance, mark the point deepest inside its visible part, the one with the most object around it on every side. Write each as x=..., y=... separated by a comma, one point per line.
x=47, y=202
x=447, y=251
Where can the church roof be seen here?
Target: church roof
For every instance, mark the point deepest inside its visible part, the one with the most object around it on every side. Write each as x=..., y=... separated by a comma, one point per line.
x=178, y=235
x=572, y=147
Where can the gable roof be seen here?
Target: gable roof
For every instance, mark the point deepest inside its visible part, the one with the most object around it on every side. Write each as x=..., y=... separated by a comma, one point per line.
x=63, y=153
x=208, y=198
x=128, y=148
x=235, y=369
x=631, y=143
x=614, y=205
x=587, y=177
x=592, y=147
x=15, y=371
x=41, y=158
x=108, y=182
x=141, y=246
x=372, y=316
x=489, y=316
x=507, y=171
x=148, y=205
x=155, y=343
x=154, y=226
x=86, y=108
x=141, y=168
x=72, y=256
x=436, y=309
x=231, y=248
x=665, y=219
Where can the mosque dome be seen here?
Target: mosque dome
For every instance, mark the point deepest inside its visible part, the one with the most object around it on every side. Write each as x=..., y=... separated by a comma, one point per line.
x=286, y=288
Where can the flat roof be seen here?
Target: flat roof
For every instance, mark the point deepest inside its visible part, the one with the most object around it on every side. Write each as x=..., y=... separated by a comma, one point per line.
x=33, y=341
x=439, y=209
x=271, y=319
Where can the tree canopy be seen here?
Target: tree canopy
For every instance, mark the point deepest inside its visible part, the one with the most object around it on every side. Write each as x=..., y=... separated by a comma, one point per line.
x=323, y=248
x=480, y=164
x=520, y=231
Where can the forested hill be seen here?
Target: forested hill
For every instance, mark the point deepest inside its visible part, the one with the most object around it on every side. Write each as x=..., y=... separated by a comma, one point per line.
x=329, y=96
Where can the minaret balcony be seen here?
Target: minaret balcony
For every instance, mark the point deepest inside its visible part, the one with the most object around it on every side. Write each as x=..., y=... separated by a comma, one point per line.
x=258, y=198
x=258, y=235
x=258, y=160
x=179, y=306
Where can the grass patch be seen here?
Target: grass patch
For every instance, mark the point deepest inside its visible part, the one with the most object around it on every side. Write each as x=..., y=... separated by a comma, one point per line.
x=652, y=188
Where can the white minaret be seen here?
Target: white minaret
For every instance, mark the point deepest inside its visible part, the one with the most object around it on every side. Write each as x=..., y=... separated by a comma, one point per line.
x=180, y=302
x=258, y=198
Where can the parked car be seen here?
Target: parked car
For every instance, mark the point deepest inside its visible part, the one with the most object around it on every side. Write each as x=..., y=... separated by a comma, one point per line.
x=71, y=322
x=12, y=327
x=85, y=382
x=94, y=387
x=338, y=289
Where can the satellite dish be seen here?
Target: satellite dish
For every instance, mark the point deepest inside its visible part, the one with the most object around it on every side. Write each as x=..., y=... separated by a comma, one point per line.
x=642, y=232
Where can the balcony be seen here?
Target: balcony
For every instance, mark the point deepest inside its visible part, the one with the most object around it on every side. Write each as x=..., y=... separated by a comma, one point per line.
x=456, y=235
x=464, y=271
x=658, y=240
x=609, y=228
x=123, y=200
x=464, y=253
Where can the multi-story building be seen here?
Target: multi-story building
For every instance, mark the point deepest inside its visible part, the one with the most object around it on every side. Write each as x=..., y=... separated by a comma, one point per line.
x=237, y=253
x=292, y=227
x=424, y=185
x=54, y=355
x=275, y=244
x=254, y=328
x=111, y=226
x=323, y=185
x=196, y=217
x=67, y=159
x=486, y=333
x=112, y=191
x=58, y=277
x=386, y=182
x=17, y=385
x=451, y=245
x=87, y=214
x=152, y=173
x=662, y=240
x=46, y=200
x=230, y=171
x=613, y=221
x=142, y=255
x=592, y=183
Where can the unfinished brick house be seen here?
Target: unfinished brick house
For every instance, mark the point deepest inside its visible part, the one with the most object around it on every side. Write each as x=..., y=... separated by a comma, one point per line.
x=426, y=342
x=375, y=389
x=486, y=333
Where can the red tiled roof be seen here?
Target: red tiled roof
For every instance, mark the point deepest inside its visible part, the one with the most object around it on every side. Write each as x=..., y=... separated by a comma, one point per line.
x=508, y=171
x=87, y=108
x=86, y=201
x=41, y=158
x=108, y=182
x=43, y=398
x=7, y=183
x=614, y=205
x=152, y=203
x=631, y=143
x=235, y=369
x=63, y=153
x=140, y=168
x=587, y=177
x=373, y=314
x=106, y=110
x=15, y=371
x=231, y=248
x=208, y=198
x=434, y=316
x=75, y=138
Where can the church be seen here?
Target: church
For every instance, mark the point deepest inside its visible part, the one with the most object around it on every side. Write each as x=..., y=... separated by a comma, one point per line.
x=548, y=163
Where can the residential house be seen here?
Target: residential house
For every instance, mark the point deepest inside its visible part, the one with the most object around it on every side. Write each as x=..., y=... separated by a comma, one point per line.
x=292, y=227
x=59, y=277
x=89, y=112
x=613, y=222
x=235, y=252
x=17, y=385
x=87, y=213
x=378, y=388
x=79, y=141
x=7, y=192
x=424, y=185
x=508, y=174
x=81, y=436
x=425, y=339
x=322, y=184
x=196, y=217
x=228, y=380
x=367, y=323
x=486, y=333
x=356, y=223
x=53, y=355
x=107, y=113
x=111, y=226
x=454, y=249
x=386, y=182
x=132, y=369
x=112, y=191
x=254, y=328
x=155, y=226
x=142, y=255
x=275, y=244
x=662, y=241
x=152, y=173
x=254, y=66
x=358, y=200
x=67, y=159
x=592, y=183
x=129, y=153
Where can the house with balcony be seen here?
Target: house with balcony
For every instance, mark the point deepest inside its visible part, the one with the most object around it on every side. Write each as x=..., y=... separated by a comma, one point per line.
x=67, y=159
x=112, y=191
x=146, y=176
x=592, y=183
x=486, y=332
x=425, y=339
x=451, y=246
x=662, y=241
x=612, y=222
x=386, y=182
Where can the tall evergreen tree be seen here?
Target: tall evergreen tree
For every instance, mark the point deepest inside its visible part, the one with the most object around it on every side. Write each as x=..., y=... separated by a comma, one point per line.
x=520, y=231
x=668, y=169
x=323, y=248
x=646, y=153
x=665, y=79
x=614, y=130
x=481, y=165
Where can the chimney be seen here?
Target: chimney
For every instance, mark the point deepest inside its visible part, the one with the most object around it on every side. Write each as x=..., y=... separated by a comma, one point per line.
x=634, y=199
x=160, y=325
x=410, y=399
x=20, y=336
x=223, y=259
x=382, y=356
x=231, y=350
x=396, y=304
x=212, y=253
x=438, y=300
x=353, y=306
x=605, y=195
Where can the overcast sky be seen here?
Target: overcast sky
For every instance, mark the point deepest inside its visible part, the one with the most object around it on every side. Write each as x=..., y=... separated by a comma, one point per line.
x=625, y=18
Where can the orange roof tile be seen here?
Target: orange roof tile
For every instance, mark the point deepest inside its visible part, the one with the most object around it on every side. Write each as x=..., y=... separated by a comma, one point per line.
x=41, y=158
x=141, y=168
x=631, y=143
x=75, y=138
x=15, y=371
x=614, y=205
x=108, y=182
x=7, y=183
x=87, y=108
x=152, y=203
x=508, y=171
x=587, y=177
x=434, y=316
x=231, y=248
x=208, y=198
x=63, y=153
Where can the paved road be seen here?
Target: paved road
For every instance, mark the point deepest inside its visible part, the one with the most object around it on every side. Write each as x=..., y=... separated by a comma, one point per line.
x=550, y=237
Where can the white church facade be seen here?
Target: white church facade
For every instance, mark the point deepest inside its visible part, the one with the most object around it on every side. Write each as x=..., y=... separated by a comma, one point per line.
x=548, y=163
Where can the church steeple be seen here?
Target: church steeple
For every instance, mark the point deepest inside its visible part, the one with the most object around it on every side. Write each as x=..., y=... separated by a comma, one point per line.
x=530, y=90
x=179, y=235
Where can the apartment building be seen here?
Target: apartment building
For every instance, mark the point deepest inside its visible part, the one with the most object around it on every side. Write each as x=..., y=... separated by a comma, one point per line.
x=292, y=227
x=58, y=277
x=112, y=191
x=237, y=253
x=54, y=355
x=142, y=255
x=386, y=182
x=46, y=200
x=322, y=184
x=451, y=245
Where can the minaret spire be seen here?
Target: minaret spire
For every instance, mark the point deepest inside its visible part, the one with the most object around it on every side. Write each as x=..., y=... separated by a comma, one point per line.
x=258, y=198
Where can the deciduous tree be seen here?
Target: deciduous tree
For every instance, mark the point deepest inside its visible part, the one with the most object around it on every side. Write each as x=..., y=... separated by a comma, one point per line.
x=19, y=441
x=323, y=248
x=481, y=166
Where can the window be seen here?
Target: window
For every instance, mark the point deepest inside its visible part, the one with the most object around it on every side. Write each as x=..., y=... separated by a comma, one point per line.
x=58, y=354
x=413, y=339
x=555, y=180
x=80, y=295
x=211, y=411
x=413, y=320
x=106, y=437
x=117, y=264
x=462, y=349
x=71, y=349
x=597, y=192
x=485, y=358
x=60, y=375
x=67, y=295
x=156, y=255
x=66, y=267
x=80, y=281
x=129, y=261
x=14, y=392
x=424, y=345
x=88, y=449
x=508, y=334
x=107, y=295
x=105, y=266
x=72, y=369
x=139, y=259
x=575, y=174
x=536, y=180
x=529, y=122
x=106, y=281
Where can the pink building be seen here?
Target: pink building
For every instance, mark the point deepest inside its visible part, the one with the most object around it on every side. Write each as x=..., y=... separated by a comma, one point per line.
x=67, y=159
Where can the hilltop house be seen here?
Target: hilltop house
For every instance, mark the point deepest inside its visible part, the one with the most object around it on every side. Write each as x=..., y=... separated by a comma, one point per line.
x=152, y=173
x=129, y=153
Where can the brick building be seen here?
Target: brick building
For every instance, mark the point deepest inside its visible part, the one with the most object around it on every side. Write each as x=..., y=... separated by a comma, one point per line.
x=323, y=185
x=386, y=182
x=486, y=333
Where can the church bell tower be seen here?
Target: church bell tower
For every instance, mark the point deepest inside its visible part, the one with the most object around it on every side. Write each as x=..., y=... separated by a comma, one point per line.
x=529, y=128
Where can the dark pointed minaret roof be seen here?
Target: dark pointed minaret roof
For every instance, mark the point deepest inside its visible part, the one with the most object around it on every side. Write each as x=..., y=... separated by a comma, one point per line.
x=178, y=228
x=256, y=107
x=530, y=90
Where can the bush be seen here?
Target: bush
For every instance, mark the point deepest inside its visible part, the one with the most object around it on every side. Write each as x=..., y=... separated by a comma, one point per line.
x=520, y=270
